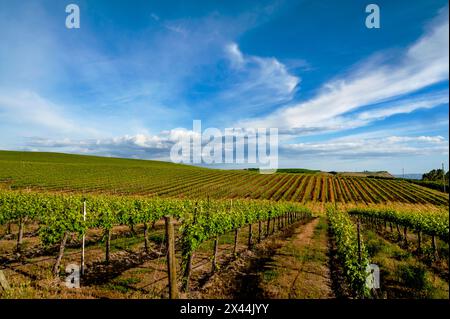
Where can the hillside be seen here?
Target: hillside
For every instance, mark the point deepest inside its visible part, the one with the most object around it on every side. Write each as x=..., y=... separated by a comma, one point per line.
x=383, y=174
x=77, y=173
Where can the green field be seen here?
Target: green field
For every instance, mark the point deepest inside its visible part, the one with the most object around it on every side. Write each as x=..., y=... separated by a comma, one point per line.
x=76, y=173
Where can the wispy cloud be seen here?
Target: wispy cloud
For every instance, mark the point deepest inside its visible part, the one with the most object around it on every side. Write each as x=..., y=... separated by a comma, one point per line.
x=376, y=80
x=405, y=106
x=358, y=148
x=98, y=90
x=256, y=83
x=29, y=108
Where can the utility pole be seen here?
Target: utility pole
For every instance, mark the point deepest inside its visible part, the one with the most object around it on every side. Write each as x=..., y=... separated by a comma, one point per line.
x=443, y=176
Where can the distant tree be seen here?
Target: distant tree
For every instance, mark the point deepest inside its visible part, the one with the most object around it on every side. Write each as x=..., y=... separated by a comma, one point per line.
x=435, y=175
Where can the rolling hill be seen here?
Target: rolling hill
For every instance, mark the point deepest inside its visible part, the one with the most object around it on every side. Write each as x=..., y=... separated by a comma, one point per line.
x=79, y=173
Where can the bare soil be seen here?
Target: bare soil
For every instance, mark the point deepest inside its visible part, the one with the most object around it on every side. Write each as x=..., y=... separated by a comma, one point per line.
x=279, y=267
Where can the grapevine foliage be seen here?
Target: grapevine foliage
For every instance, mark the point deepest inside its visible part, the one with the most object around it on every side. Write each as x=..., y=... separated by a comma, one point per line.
x=430, y=223
x=346, y=237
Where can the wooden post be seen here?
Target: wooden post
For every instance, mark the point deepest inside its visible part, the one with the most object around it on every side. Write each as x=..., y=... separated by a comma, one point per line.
x=187, y=272
x=60, y=254
x=236, y=234
x=273, y=225
x=83, y=241
x=259, y=231
x=250, y=236
x=419, y=242
x=132, y=230
x=405, y=234
x=108, y=246
x=434, y=247
x=146, y=245
x=20, y=235
x=216, y=249
x=398, y=232
x=171, y=261
x=3, y=282
x=268, y=227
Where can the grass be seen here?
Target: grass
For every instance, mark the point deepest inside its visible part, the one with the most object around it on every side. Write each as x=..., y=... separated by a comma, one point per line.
x=299, y=268
x=401, y=274
x=270, y=274
x=122, y=285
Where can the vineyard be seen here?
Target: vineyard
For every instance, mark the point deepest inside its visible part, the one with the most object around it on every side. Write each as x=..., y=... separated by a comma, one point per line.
x=60, y=217
x=145, y=229
x=74, y=173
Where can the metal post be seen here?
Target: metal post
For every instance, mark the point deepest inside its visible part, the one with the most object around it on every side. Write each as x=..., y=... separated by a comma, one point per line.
x=83, y=240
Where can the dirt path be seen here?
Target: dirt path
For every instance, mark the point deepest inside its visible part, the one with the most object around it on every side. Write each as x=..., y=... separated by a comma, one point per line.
x=299, y=269
x=292, y=264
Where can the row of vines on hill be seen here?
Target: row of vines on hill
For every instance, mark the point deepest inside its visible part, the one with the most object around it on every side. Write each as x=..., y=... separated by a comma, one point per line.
x=407, y=225
x=350, y=251
x=59, y=216
x=430, y=223
x=175, y=181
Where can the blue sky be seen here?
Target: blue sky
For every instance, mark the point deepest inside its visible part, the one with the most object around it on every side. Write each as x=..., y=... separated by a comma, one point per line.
x=343, y=97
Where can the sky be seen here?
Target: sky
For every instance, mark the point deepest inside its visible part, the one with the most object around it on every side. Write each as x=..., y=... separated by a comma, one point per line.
x=136, y=74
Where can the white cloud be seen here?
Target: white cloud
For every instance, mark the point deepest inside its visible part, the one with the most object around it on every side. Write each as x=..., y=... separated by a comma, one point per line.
x=139, y=145
x=235, y=55
x=357, y=148
x=353, y=148
x=257, y=83
x=405, y=106
x=27, y=107
x=422, y=64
